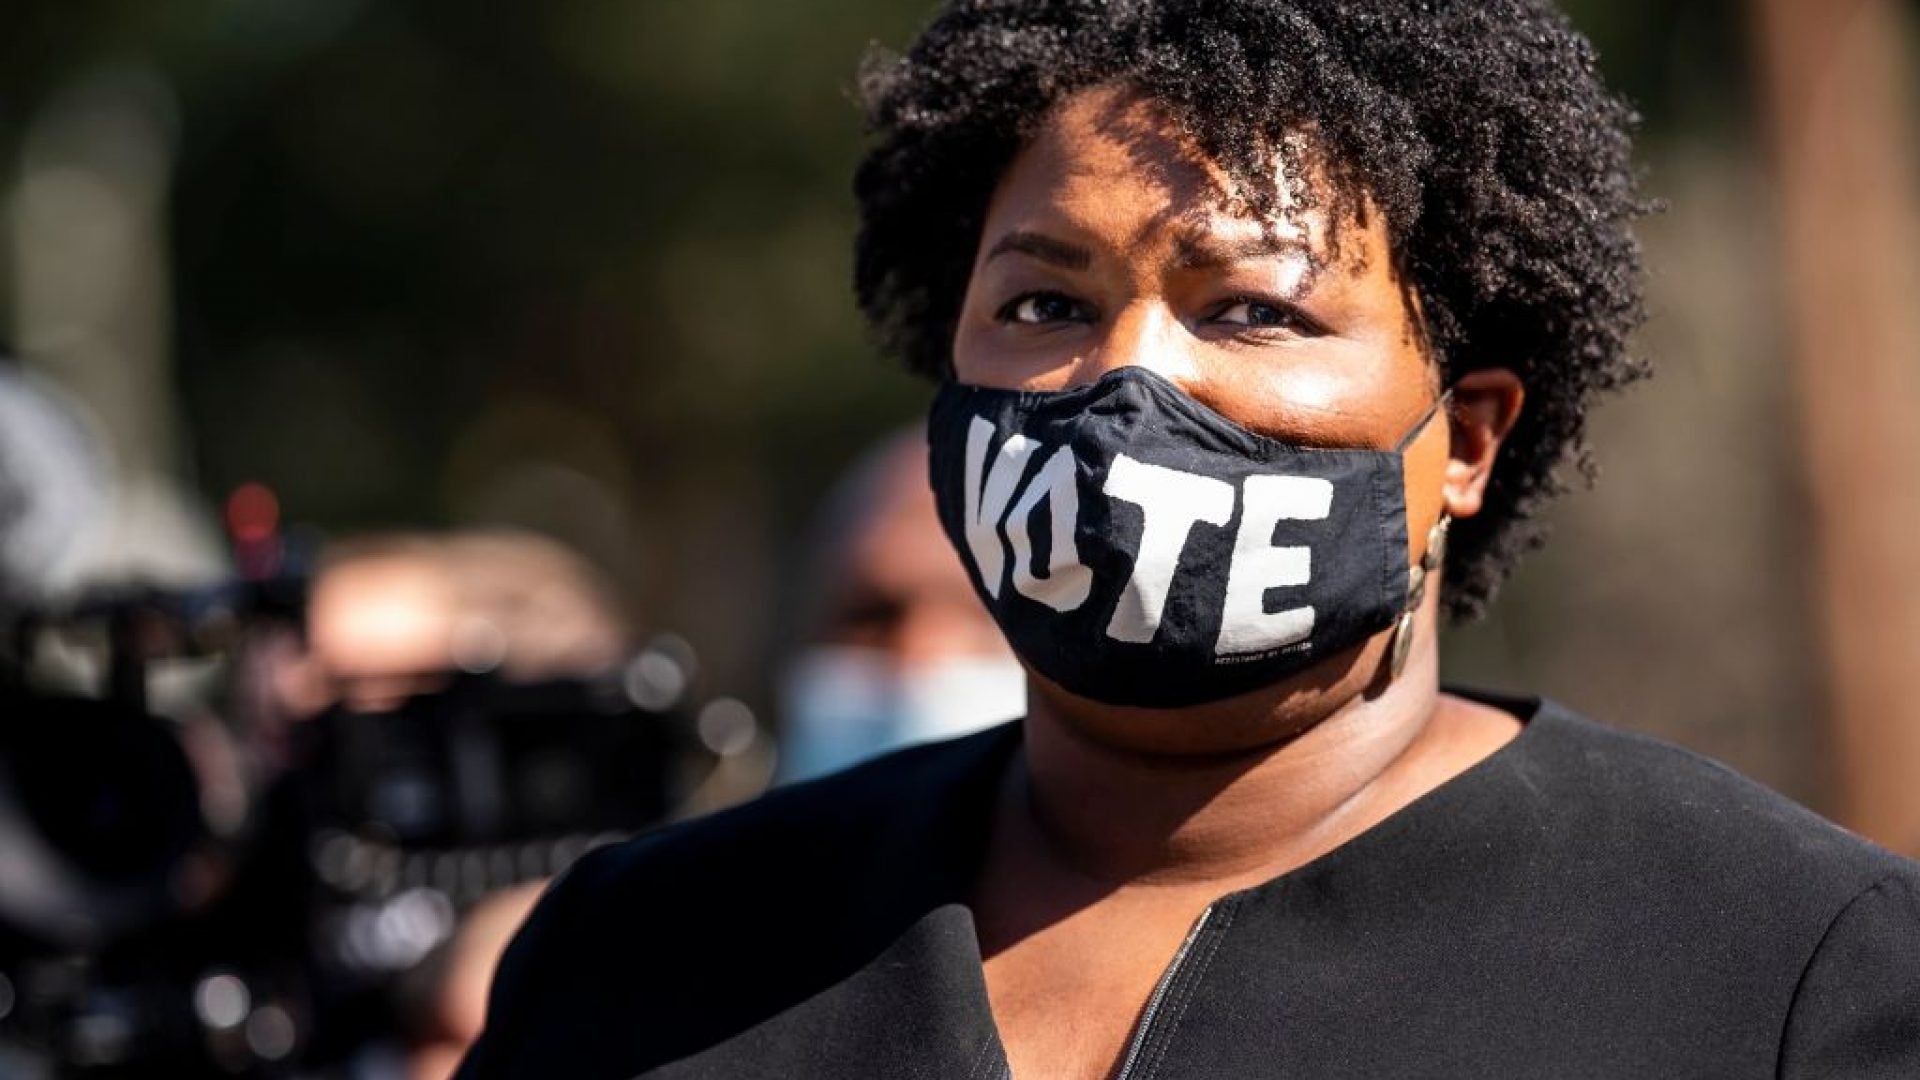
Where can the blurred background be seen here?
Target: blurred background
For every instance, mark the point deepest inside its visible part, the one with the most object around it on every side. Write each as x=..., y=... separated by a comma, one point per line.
x=328, y=302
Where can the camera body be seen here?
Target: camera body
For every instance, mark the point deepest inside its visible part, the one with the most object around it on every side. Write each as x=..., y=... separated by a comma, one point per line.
x=135, y=940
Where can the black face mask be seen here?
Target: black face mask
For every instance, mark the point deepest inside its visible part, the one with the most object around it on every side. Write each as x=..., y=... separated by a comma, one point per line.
x=1137, y=548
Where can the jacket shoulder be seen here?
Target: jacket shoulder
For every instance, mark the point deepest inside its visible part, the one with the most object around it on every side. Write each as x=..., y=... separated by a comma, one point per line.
x=808, y=831
x=705, y=927
x=1695, y=821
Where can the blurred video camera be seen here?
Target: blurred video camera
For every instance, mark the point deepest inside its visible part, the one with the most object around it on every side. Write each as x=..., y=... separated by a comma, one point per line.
x=142, y=933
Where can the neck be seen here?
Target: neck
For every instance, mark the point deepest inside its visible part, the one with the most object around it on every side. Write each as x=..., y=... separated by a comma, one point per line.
x=1110, y=811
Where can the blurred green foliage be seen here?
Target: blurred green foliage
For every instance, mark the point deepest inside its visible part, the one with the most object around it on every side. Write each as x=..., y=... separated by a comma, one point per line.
x=632, y=211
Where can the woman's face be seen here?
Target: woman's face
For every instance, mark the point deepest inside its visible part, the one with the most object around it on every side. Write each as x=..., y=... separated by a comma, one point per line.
x=1110, y=241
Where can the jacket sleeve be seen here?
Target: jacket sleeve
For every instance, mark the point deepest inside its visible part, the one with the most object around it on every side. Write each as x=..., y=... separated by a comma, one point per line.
x=1856, y=1013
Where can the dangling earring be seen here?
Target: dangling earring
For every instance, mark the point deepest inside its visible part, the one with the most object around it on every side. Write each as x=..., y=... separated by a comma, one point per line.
x=1417, y=577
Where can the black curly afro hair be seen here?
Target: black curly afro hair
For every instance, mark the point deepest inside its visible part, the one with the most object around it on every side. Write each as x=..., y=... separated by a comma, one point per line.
x=1480, y=129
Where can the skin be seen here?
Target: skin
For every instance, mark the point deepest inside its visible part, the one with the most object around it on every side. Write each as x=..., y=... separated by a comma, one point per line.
x=457, y=1009
x=381, y=631
x=1111, y=241
x=388, y=624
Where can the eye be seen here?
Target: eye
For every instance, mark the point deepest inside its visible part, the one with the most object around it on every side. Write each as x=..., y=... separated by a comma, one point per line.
x=1041, y=308
x=1262, y=314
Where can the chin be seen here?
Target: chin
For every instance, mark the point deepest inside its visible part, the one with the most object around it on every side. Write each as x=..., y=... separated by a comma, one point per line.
x=1254, y=722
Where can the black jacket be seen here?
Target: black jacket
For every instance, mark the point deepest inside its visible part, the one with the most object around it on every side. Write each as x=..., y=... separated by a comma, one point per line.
x=1583, y=903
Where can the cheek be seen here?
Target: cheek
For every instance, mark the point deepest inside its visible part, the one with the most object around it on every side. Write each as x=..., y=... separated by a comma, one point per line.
x=1426, y=479
x=1296, y=398
x=1326, y=392
x=974, y=355
x=986, y=353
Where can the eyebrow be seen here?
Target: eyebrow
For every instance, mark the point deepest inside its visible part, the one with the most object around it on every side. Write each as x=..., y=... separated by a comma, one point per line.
x=1193, y=252
x=1045, y=248
x=1196, y=252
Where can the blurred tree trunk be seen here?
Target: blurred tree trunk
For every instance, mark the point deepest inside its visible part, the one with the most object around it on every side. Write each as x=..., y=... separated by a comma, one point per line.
x=1836, y=75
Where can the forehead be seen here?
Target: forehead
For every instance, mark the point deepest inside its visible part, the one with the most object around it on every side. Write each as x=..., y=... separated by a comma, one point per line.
x=1118, y=165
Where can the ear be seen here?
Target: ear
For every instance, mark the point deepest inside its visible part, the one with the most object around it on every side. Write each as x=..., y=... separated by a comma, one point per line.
x=1485, y=405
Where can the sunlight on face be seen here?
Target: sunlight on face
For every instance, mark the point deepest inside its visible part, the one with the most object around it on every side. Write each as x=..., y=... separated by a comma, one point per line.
x=1111, y=242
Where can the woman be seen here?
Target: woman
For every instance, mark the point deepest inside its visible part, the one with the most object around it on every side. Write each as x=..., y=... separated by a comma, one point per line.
x=1263, y=327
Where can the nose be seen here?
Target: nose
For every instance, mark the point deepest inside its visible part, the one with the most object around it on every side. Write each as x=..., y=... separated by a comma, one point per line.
x=1142, y=334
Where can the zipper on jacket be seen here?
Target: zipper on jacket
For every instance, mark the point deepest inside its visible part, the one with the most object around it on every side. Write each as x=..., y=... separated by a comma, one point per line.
x=1144, y=1028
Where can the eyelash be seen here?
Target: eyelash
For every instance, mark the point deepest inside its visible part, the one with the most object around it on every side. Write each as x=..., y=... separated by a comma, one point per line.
x=1292, y=318
x=1009, y=311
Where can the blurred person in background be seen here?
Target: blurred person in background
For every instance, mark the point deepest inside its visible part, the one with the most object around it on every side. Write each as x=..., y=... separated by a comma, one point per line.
x=392, y=615
x=1264, y=331
x=898, y=648
x=13, y=502
x=396, y=615
x=54, y=486
x=449, y=670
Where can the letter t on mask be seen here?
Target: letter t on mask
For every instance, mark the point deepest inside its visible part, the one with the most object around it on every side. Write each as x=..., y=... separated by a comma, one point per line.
x=1170, y=503
x=1259, y=565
